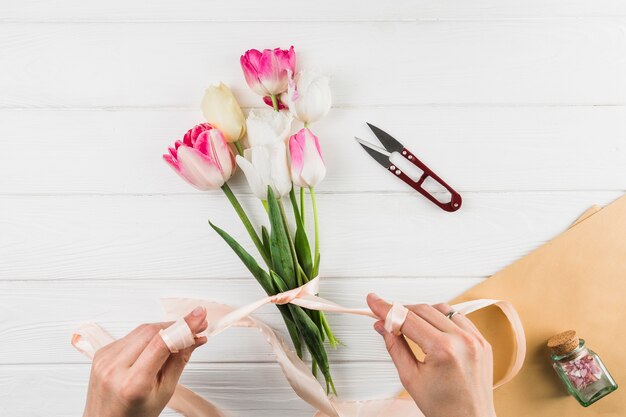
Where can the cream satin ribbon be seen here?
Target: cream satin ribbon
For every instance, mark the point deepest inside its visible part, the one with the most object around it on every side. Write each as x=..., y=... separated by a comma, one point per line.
x=91, y=337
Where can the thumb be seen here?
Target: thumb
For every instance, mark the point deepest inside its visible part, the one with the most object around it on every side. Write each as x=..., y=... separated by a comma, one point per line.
x=196, y=320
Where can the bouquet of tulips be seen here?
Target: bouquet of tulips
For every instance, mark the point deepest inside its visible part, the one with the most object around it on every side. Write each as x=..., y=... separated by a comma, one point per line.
x=278, y=166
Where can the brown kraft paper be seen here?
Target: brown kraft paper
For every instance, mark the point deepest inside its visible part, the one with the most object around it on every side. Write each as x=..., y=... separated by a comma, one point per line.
x=576, y=281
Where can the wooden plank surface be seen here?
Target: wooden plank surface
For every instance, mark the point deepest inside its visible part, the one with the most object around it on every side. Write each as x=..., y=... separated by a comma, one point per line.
x=347, y=10
x=390, y=63
x=519, y=105
x=363, y=235
x=530, y=148
x=236, y=387
x=119, y=306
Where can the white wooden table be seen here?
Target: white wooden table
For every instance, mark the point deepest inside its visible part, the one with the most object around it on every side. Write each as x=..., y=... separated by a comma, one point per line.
x=519, y=105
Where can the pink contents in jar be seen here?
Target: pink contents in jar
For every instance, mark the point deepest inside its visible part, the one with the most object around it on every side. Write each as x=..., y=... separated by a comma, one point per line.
x=582, y=371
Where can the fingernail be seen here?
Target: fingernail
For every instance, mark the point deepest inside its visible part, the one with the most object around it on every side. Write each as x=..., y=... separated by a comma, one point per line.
x=380, y=328
x=374, y=296
x=198, y=311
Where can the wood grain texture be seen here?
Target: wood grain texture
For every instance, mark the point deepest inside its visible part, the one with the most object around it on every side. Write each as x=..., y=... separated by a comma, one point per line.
x=381, y=63
x=246, y=390
x=57, y=308
x=363, y=235
x=280, y=10
x=530, y=148
x=519, y=105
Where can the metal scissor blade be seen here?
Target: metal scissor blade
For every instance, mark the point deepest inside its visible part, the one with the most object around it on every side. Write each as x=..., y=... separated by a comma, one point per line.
x=386, y=139
x=380, y=155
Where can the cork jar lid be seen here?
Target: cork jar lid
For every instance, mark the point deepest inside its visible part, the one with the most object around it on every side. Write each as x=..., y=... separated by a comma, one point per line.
x=563, y=343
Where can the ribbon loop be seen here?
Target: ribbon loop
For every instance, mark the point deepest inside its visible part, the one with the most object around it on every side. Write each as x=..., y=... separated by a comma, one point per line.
x=311, y=288
x=395, y=318
x=178, y=336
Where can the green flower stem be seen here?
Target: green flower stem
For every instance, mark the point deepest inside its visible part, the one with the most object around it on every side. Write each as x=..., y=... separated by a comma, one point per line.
x=292, y=246
x=302, y=205
x=306, y=125
x=274, y=102
x=317, y=232
x=332, y=386
x=246, y=222
x=239, y=148
x=314, y=367
x=331, y=337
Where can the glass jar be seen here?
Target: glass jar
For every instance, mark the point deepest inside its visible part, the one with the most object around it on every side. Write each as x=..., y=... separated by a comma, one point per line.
x=580, y=368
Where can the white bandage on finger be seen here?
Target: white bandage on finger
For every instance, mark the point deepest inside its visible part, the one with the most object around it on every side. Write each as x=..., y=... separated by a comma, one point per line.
x=178, y=336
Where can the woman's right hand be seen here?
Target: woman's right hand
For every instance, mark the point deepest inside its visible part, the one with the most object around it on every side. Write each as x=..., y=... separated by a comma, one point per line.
x=455, y=379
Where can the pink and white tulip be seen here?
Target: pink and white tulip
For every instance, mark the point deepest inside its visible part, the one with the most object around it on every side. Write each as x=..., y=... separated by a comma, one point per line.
x=203, y=158
x=307, y=165
x=308, y=96
x=267, y=73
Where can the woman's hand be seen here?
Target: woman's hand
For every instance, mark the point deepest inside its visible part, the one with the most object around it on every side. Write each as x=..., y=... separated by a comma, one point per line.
x=456, y=376
x=136, y=375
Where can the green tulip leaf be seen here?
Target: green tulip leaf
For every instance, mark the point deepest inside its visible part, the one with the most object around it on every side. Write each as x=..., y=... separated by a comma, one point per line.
x=259, y=273
x=282, y=261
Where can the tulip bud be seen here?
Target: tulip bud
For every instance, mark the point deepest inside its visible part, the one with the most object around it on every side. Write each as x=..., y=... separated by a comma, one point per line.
x=266, y=126
x=266, y=165
x=308, y=96
x=220, y=109
x=307, y=165
x=203, y=158
x=267, y=72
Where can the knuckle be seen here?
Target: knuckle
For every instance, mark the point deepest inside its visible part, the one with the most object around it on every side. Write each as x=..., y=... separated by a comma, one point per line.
x=469, y=341
x=473, y=346
x=421, y=308
x=446, y=349
x=442, y=307
x=104, y=373
x=149, y=329
x=97, y=359
x=143, y=327
x=100, y=365
x=132, y=390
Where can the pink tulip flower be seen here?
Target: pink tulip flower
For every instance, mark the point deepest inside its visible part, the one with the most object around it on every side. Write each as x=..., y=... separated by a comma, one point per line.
x=203, y=158
x=267, y=73
x=307, y=165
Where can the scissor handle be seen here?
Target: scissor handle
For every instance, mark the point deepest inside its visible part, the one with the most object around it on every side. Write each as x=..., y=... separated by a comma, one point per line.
x=455, y=200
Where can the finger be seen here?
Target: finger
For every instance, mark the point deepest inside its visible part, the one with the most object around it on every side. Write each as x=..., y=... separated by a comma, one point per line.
x=401, y=355
x=414, y=327
x=459, y=319
x=156, y=352
x=135, y=342
x=173, y=368
x=434, y=317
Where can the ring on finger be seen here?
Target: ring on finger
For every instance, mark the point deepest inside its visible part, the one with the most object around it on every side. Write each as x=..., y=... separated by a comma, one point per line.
x=451, y=314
